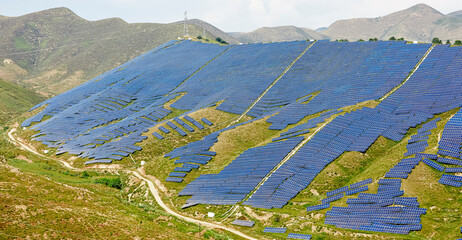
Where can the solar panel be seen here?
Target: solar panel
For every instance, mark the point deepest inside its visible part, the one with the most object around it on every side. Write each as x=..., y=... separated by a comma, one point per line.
x=243, y=223
x=274, y=230
x=298, y=236
x=206, y=121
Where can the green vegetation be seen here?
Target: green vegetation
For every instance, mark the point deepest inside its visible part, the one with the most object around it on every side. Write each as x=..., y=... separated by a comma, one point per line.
x=392, y=39
x=373, y=39
x=15, y=100
x=218, y=39
x=437, y=41
x=110, y=182
x=458, y=43
x=21, y=44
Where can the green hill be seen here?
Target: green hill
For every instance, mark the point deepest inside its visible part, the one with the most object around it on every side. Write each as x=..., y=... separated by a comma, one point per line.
x=56, y=50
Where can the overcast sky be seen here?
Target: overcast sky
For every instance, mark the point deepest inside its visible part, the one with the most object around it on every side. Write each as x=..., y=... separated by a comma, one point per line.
x=229, y=15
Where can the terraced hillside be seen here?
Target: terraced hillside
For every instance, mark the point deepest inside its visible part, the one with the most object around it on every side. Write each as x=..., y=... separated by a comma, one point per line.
x=322, y=139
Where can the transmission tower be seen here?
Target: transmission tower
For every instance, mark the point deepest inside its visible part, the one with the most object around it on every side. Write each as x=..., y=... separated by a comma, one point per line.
x=185, y=27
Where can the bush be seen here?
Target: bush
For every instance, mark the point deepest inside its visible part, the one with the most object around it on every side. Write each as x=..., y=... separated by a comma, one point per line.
x=448, y=42
x=110, y=182
x=392, y=38
x=373, y=39
x=218, y=39
x=437, y=41
x=199, y=37
x=458, y=43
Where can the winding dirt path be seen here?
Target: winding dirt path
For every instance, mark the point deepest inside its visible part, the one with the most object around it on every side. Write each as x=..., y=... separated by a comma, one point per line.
x=152, y=187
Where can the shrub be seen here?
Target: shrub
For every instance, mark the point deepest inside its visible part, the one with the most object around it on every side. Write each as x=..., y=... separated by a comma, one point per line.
x=110, y=182
x=437, y=41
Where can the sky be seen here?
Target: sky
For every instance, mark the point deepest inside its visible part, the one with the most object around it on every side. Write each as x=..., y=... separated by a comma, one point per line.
x=228, y=15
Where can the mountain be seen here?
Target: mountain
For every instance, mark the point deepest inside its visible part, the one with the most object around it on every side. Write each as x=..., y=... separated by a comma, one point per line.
x=456, y=14
x=420, y=22
x=54, y=50
x=277, y=34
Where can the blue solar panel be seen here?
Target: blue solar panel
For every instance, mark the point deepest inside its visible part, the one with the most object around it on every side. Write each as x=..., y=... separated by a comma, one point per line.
x=163, y=129
x=298, y=236
x=157, y=135
x=206, y=121
x=243, y=223
x=274, y=230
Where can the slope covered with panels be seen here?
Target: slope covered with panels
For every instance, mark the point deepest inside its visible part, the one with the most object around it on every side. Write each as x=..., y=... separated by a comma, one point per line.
x=105, y=118
x=121, y=104
x=433, y=89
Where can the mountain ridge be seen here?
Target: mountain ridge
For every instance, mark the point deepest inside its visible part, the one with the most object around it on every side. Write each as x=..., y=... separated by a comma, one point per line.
x=420, y=22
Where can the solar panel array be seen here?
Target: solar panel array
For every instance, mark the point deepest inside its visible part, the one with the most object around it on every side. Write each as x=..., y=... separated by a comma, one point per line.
x=238, y=76
x=104, y=118
x=354, y=131
x=240, y=177
x=387, y=210
x=422, y=96
x=345, y=74
x=418, y=142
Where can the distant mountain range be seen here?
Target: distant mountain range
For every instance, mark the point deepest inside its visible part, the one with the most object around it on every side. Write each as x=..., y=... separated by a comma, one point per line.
x=54, y=50
x=418, y=23
x=278, y=34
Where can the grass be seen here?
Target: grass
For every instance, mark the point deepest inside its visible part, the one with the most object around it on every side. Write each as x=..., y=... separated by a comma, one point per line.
x=21, y=44
x=15, y=100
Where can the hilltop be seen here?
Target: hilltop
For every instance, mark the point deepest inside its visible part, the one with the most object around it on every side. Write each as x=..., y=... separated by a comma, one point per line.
x=54, y=50
x=419, y=23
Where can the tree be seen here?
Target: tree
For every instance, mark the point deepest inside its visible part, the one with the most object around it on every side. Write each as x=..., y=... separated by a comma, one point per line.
x=218, y=39
x=448, y=42
x=458, y=43
x=437, y=41
x=361, y=40
x=392, y=38
x=373, y=39
x=199, y=37
x=400, y=39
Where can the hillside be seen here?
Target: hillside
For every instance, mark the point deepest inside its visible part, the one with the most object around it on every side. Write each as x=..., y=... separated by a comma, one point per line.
x=15, y=100
x=278, y=34
x=55, y=50
x=418, y=23
x=337, y=140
